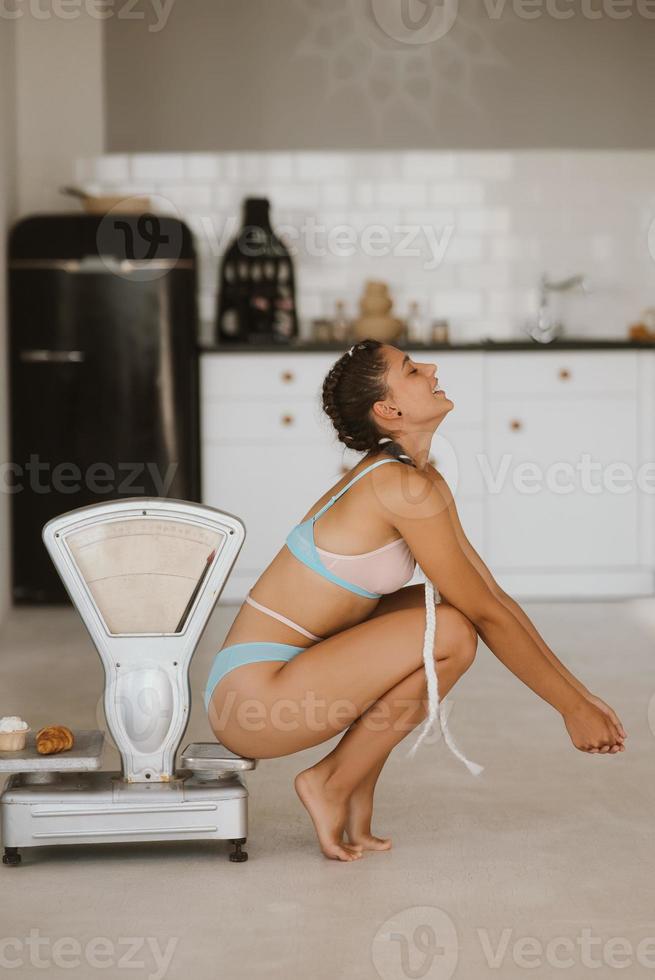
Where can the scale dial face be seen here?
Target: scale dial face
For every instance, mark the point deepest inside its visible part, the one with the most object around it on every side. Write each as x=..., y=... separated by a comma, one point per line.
x=144, y=573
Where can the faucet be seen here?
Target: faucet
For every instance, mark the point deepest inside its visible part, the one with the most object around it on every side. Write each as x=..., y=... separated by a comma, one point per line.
x=546, y=327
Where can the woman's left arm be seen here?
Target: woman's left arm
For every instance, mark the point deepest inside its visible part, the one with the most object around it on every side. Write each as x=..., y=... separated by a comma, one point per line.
x=512, y=605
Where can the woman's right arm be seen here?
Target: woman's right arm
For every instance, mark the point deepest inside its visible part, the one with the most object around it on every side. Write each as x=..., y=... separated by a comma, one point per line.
x=418, y=508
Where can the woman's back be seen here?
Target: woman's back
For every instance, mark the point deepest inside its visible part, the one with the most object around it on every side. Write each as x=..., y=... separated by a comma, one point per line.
x=333, y=567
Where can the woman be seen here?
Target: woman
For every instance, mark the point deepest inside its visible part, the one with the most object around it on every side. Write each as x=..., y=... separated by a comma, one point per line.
x=355, y=659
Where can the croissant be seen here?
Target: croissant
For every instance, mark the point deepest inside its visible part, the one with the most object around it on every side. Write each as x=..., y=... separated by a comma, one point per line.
x=54, y=738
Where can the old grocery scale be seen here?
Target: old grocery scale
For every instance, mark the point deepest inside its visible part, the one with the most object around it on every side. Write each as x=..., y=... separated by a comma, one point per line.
x=144, y=575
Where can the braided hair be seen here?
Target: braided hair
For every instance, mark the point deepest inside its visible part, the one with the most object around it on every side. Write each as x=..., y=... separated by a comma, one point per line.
x=351, y=387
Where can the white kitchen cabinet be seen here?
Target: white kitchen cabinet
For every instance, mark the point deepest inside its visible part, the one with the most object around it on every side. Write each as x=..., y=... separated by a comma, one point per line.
x=556, y=517
x=269, y=452
x=555, y=373
x=564, y=440
x=249, y=375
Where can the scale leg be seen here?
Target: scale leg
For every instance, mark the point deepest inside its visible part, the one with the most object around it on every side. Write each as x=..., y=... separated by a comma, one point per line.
x=11, y=856
x=237, y=854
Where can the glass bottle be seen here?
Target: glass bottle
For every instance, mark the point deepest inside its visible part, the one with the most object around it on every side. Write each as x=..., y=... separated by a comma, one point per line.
x=414, y=324
x=256, y=301
x=341, y=323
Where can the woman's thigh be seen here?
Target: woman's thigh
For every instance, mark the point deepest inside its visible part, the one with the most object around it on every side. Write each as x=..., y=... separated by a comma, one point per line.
x=409, y=597
x=266, y=710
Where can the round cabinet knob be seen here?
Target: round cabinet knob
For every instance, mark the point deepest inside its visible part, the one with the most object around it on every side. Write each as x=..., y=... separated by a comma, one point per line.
x=432, y=460
x=287, y=376
x=287, y=420
x=515, y=424
x=564, y=374
x=344, y=469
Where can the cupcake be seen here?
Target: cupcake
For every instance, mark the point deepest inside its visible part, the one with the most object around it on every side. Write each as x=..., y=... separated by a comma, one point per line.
x=13, y=733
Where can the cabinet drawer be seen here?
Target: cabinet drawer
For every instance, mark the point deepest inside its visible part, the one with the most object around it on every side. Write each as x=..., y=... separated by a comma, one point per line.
x=283, y=420
x=561, y=373
x=262, y=375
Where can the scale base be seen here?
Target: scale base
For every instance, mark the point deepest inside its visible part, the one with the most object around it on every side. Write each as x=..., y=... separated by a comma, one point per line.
x=101, y=807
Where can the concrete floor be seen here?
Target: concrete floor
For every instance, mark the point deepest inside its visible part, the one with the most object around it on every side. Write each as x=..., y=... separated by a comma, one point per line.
x=542, y=865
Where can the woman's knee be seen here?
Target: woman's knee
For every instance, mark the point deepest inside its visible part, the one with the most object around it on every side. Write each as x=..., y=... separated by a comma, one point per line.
x=462, y=643
x=456, y=637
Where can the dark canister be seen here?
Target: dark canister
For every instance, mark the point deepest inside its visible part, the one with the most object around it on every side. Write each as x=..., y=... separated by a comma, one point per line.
x=257, y=302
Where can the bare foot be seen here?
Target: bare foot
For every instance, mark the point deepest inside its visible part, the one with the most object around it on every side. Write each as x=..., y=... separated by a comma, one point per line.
x=358, y=822
x=328, y=810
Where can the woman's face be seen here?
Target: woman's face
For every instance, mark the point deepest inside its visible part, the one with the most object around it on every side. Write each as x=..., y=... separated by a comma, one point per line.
x=411, y=387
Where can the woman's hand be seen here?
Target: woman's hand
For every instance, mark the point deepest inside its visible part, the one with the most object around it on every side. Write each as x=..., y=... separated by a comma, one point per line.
x=593, y=729
x=609, y=712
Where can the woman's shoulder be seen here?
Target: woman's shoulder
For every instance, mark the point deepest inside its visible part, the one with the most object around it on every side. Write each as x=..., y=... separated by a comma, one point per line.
x=410, y=490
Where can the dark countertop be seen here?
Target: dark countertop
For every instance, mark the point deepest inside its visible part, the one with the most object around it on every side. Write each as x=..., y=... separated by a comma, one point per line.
x=308, y=346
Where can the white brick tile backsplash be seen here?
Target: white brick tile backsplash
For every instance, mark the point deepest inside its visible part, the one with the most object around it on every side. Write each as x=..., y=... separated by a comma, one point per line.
x=279, y=166
x=364, y=193
x=427, y=166
x=488, y=166
x=157, y=167
x=187, y=197
x=513, y=248
x=493, y=221
x=130, y=189
x=335, y=195
x=482, y=276
x=374, y=166
x=225, y=197
x=305, y=197
x=452, y=193
x=483, y=221
x=513, y=302
x=320, y=166
x=401, y=193
x=462, y=249
x=201, y=166
x=456, y=302
x=112, y=169
x=231, y=168
x=429, y=216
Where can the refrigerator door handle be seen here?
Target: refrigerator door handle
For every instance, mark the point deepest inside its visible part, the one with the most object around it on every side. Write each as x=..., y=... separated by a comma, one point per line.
x=52, y=356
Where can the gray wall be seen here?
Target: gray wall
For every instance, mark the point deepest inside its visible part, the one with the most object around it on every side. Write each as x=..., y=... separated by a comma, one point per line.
x=59, y=104
x=7, y=205
x=275, y=74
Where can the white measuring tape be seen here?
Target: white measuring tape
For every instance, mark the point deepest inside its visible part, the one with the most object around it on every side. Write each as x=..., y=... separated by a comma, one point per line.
x=434, y=703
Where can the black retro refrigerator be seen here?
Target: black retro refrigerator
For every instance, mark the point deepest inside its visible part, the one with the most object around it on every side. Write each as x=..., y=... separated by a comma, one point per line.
x=103, y=373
